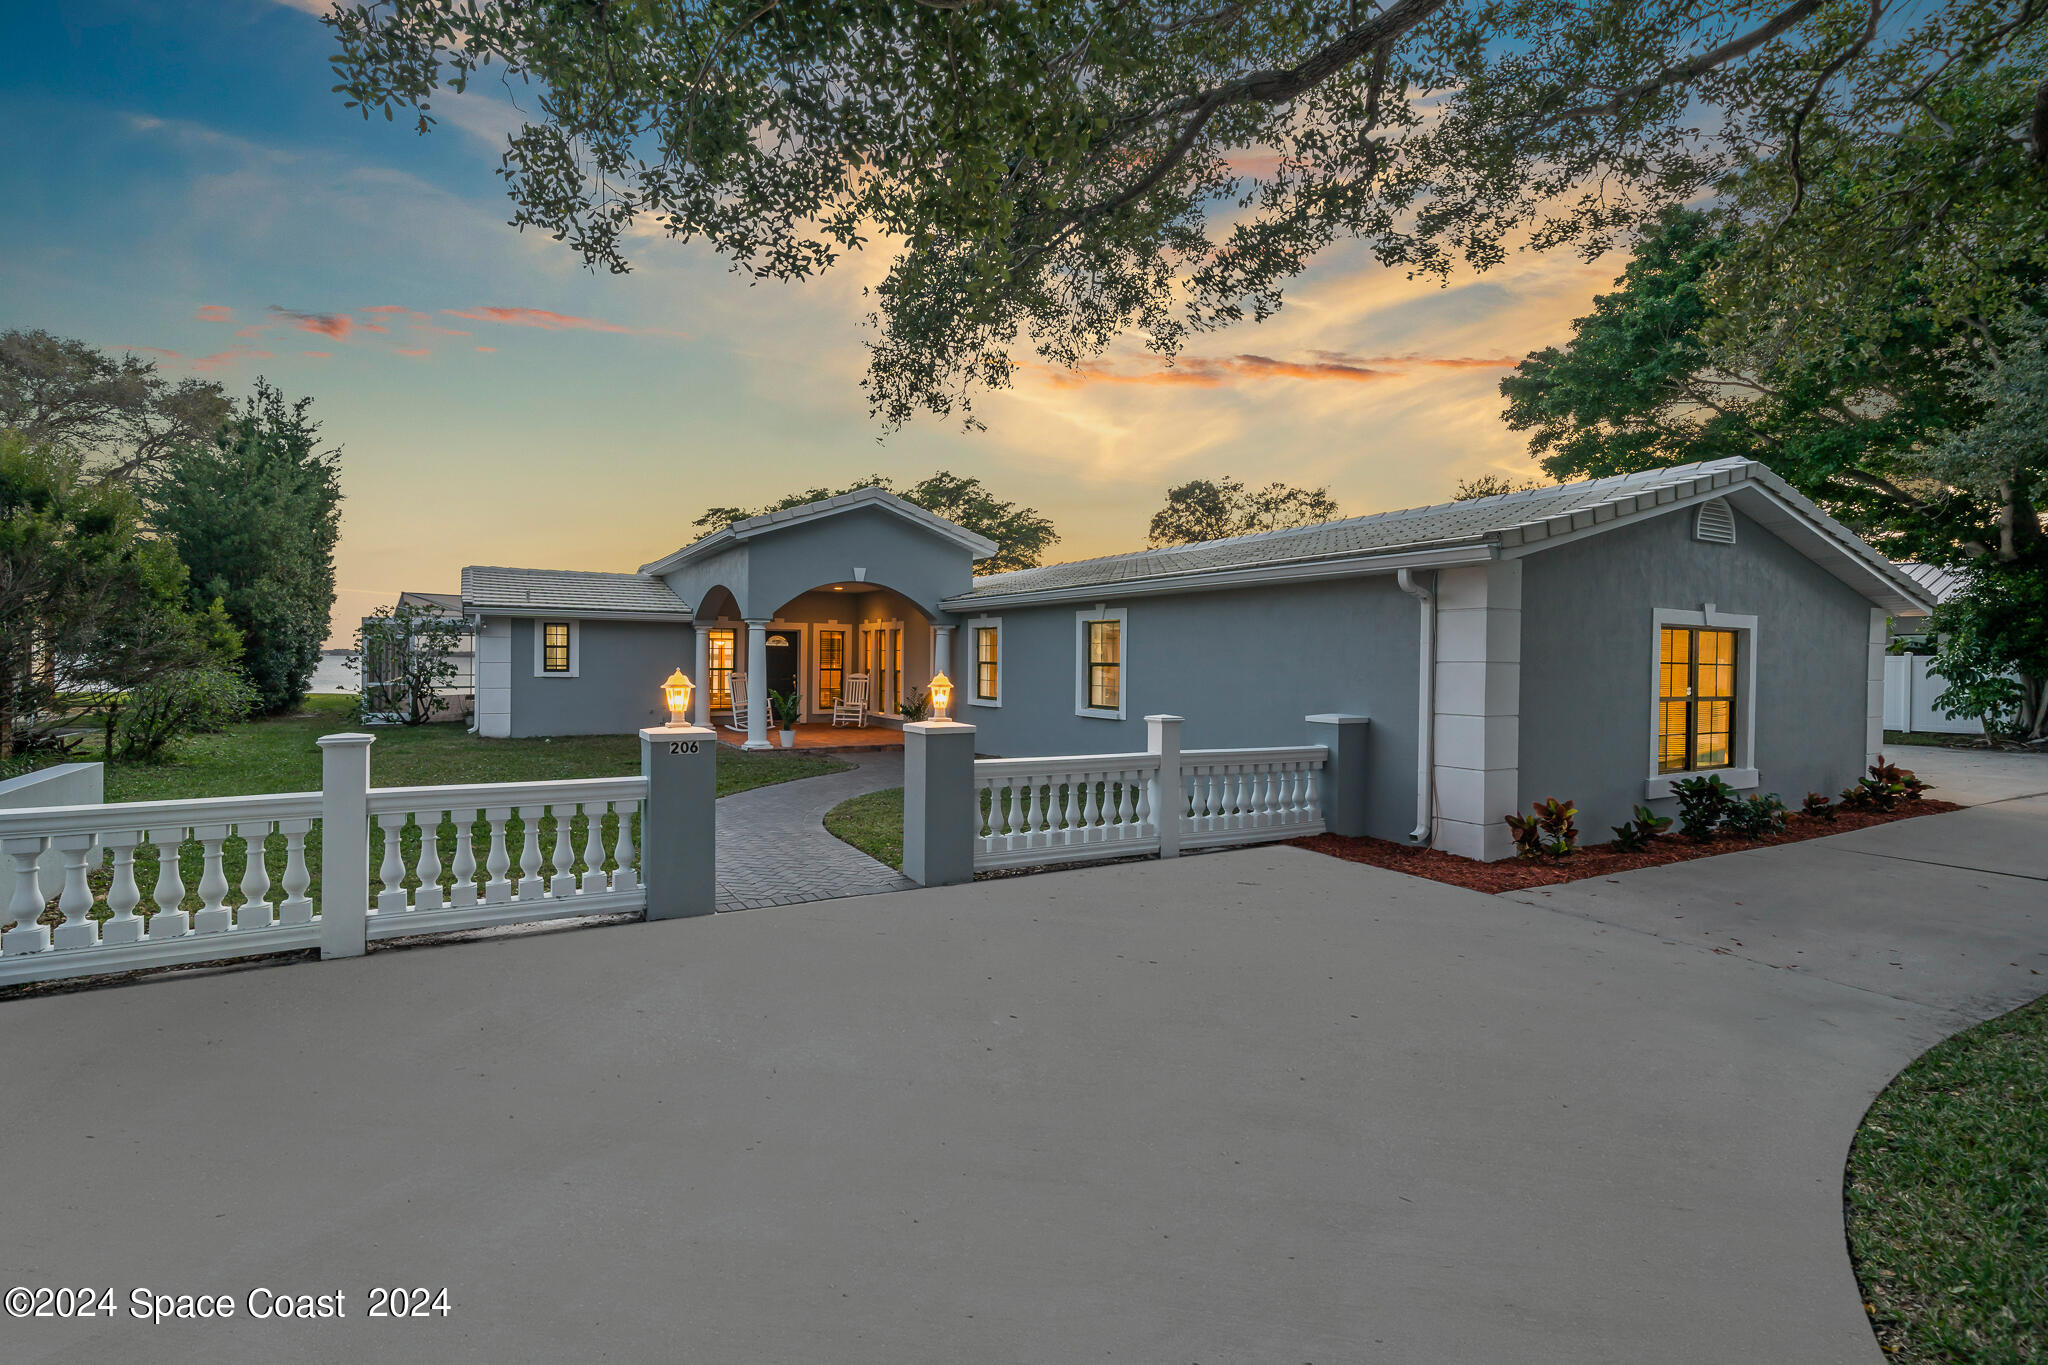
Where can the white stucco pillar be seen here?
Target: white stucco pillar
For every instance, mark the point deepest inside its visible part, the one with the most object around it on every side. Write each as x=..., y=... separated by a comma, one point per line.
x=700, y=711
x=1478, y=708
x=942, y=651
x=757, y=684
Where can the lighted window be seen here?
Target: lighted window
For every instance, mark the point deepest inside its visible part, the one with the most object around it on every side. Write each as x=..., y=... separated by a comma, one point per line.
x=555, y=647
x=718, y=656
x=987, y=644
x=1105, y=661
x=831, y=666
x=1695, y=700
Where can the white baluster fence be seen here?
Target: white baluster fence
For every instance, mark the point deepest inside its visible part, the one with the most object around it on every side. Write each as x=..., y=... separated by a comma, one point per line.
x=1073, y=809
x=124, y=902
x=160, y=883
x=576, y=853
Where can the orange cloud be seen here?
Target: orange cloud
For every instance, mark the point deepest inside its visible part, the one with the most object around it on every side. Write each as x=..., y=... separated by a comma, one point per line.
x=387, y=308
x=222, y=359
x=1208, y=372
x=408, y=350
x=487, y=348
x=214, y=312
x=319, y=355
x=153, y=350
x=336, y=325
x=536, y=317
x=375, y=327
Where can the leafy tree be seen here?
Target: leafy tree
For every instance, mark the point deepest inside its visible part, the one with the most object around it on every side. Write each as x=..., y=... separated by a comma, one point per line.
x=404, y=657
x=1655, y=375
x=1491, y=486
x=255, y=514
x=1021, y=534
x=1994, y=648
x=1056, y=175
x=116, y=412
x=1212, y=509
x=90, y=606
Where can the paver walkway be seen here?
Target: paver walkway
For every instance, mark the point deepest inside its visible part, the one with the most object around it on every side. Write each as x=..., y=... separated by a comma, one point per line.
x=773, y=848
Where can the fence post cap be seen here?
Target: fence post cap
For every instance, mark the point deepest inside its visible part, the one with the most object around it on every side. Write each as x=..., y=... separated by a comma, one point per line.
x=937, y=727
x=1337, y=719
x=346, y=739
x=678, y=732
x=1174, y=718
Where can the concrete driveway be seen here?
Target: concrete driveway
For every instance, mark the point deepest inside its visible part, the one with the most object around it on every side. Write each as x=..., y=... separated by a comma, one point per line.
x=1259, y=1106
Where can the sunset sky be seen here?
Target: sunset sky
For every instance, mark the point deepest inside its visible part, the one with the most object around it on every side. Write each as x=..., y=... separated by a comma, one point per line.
x=180, y=181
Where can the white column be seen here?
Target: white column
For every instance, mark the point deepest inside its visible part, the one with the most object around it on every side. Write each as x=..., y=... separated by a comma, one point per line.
x=344, y=845
x=1478, y=708
x=757, y=684
x=1873, y=728
x=942, y=652
x=701, y=704
x=1167, y=796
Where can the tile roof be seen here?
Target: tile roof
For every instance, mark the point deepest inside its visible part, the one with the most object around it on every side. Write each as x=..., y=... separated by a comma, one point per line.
x=489, y=588
x=1382, y=532
x=1506, y=521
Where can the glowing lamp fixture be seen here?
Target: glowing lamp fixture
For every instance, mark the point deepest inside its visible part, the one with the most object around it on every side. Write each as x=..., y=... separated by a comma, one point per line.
x=942, y=694
x=676, y=691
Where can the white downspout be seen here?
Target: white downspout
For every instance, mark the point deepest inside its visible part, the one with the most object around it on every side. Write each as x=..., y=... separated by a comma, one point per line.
x=1425, y=708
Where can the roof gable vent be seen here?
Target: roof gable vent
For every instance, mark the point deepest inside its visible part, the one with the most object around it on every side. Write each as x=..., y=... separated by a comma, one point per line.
x=1714, y=523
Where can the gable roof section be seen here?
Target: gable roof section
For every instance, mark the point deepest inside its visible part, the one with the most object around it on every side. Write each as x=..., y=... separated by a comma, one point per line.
x=1939, y=583
x=742, y=531
x=563, y=592
x=1508, y=526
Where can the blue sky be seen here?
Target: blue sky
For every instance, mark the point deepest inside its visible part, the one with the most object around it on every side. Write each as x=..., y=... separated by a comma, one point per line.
x=180, y=178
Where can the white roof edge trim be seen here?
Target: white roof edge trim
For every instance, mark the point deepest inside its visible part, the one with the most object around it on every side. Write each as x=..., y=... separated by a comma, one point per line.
x=1206, y=580
x=741, y=531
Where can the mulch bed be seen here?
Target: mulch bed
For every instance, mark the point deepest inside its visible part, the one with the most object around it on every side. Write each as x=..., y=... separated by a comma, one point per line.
x=1592, y=860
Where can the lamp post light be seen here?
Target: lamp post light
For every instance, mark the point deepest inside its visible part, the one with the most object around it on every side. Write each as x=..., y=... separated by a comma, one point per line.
x=676, y=691
x=942, y=695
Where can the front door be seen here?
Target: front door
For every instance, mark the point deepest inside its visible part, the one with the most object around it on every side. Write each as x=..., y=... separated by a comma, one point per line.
x=782, y=647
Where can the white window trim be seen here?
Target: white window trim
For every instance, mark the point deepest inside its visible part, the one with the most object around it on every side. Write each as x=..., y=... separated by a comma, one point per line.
x=540, y=647
x=981, y=623
x=1742, y=775
x=1120, y=615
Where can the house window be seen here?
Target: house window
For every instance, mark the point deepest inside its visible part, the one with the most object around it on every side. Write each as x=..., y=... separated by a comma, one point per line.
x=718, y=654
x=988, y=663
x=1696, y=699
x=831, y=666
x=555, y=649
x=1100, y=640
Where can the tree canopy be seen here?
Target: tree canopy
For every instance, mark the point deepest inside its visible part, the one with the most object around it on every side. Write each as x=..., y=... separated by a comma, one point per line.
x=1212, y=509
x=116, y=413
x=1051, y=177
x=255, y=513
x=1021, y=534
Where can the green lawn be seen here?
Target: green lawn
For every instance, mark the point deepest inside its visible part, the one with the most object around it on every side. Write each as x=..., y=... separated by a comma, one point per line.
x=873, y=823
x=1924, y=739
x=279, y=755
x=1948, y=1199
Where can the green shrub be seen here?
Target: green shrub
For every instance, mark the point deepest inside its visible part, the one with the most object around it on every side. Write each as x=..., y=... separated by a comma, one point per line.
x=1637, y=834
x=1817, y=806
x=1703, y=803
x=1755, y=818
x=193, y=702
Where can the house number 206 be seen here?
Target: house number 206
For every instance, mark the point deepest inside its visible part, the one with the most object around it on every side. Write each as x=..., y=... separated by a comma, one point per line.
x=682, y=746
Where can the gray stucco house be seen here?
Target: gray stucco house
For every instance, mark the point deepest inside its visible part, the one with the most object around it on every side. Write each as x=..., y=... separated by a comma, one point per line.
x=1594, y=641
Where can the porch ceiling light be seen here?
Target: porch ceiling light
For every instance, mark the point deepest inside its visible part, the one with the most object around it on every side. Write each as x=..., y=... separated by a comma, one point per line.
x=676, y=691
x=942, y=694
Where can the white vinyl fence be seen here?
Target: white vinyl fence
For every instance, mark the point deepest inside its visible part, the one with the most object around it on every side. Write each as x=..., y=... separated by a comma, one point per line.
x=156, y=883
x=1910, y=687
x=1056, y=810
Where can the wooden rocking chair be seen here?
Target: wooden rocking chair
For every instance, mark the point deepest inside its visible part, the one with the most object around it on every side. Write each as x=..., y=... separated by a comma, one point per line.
x=738, y=687
x=852, y=706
